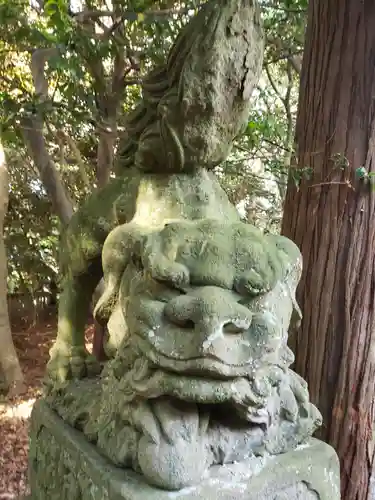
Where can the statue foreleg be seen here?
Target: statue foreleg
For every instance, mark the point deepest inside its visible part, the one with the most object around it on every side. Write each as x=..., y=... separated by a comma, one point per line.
x=69, y=357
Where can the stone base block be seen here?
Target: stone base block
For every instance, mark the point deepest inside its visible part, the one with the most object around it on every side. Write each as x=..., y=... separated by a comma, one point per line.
x=65, y=466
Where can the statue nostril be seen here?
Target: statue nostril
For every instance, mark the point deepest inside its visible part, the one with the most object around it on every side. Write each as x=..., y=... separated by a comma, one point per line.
x=180, y=310
x=231, y=327
x=187, y=323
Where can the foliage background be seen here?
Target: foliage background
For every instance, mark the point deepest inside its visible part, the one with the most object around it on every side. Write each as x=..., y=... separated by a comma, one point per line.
x=98, y=53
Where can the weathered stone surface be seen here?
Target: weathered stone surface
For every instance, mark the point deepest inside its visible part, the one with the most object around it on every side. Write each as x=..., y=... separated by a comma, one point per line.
x=200, y=374
x=64, y=466
x=192, y=109
x=198, y=398
x=148, y=201
x=199, y=101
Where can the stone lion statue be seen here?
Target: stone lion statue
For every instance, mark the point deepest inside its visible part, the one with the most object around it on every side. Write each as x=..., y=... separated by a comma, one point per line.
x=193, y=106
x=197, y=306
x=198, y=314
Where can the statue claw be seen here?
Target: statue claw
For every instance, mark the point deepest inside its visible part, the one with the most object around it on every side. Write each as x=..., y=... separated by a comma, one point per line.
x=67, y=363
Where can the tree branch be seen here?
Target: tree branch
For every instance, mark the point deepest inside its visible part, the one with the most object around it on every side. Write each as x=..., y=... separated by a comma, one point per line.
x=32, y=131
x=39, y=58
x=85, y=15
x=296, y=62
x=273, y=84
x=295, y=59
x=60, y=134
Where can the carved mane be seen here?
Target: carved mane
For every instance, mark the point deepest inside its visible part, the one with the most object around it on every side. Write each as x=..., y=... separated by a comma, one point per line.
x=195, y=104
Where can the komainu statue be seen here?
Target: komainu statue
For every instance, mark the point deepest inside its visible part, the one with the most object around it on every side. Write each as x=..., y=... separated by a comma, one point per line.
x=201, y=372
x=198, y=399
x=193, y=107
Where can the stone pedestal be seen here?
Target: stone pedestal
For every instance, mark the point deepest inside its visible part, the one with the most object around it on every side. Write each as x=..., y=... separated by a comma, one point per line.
x=65, y=466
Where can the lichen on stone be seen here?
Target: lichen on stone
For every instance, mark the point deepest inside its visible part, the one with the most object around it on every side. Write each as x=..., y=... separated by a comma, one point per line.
x=201, y=373
x=197, y=304
x=192, y=109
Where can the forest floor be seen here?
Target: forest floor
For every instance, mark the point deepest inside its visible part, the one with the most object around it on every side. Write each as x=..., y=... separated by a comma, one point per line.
x=32, y=344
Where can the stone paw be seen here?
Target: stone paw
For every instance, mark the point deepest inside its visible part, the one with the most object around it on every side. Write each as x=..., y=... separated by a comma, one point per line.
x=67, y=363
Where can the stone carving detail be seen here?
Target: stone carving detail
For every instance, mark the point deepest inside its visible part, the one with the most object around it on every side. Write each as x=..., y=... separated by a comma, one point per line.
x=200, y=374
x=197, y=303
x=192, y=109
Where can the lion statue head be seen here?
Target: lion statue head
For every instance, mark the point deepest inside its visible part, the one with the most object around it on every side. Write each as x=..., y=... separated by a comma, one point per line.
x=200, y=371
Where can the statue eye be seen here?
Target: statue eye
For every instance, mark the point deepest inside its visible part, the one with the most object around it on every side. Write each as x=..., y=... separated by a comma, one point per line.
x=163, y=291
x=172, y=287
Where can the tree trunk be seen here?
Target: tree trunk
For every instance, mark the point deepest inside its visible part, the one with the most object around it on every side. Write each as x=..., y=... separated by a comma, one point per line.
x=334, y=226
x=9, y=363
x=106, y=150
x=32, y=129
